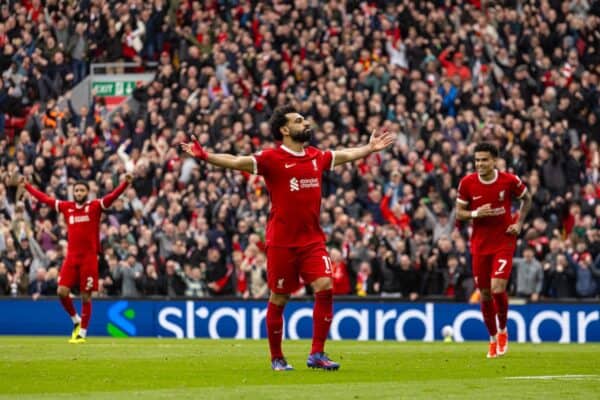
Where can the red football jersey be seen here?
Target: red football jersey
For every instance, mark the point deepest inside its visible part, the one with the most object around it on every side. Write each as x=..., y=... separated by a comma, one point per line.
x=489, y=233
x=83, y=225
x=294, y=183
x=83, y=221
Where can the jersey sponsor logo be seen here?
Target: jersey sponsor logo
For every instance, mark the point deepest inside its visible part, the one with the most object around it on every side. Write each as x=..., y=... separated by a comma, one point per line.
x=499, y=210
x=119, y=317
x=294, y=186
x=286, y=165
x=76, y=220
x=308, y=183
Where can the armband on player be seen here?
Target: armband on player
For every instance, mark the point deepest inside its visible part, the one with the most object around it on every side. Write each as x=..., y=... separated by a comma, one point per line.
x=199, y=151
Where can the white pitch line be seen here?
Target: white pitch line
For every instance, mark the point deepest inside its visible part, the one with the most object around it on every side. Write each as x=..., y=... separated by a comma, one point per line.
x=552, y=377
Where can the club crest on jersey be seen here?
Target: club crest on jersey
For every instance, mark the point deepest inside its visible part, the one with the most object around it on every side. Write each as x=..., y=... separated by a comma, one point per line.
x=501, y=195
x=314, y=163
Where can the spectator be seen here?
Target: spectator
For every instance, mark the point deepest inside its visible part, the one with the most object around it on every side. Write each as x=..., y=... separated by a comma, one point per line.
x=256, y=268
x=560, y=277
x=365, y=281
x=341, y=276
x=129, y=273
x=586, y=275
x=529, y=275
x=408, y=277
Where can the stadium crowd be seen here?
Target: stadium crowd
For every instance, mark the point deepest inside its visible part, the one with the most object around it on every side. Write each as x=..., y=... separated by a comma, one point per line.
x=444, y=74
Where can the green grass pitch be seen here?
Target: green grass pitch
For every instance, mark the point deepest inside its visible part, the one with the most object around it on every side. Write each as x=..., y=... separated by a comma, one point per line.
x=106, y=368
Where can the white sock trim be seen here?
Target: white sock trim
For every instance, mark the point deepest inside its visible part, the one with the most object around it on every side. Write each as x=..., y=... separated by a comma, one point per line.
x=83, y=332
x=76, y=319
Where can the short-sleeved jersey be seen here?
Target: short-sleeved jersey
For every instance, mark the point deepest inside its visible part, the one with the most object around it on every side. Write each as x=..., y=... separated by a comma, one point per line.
x=294, y=182
x=489, y=234
x=83, y=225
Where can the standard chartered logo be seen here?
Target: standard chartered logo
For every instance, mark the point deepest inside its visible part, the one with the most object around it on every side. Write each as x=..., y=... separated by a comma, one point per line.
x=294, y=187
x=308, y=183
x=120, y=316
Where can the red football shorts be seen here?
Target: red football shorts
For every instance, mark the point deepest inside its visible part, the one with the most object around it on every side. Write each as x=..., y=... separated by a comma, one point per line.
x=489, y=266
x=285, y=266
x=82, y=268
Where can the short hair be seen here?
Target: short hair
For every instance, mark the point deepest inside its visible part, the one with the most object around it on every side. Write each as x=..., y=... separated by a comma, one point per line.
x=487, y=147
x=279, y=119
x=81, y=182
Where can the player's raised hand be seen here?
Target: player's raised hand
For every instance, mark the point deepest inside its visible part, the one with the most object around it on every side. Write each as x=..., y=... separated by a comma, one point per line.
x=195, y=149
x=381, y=139
x=514, y=229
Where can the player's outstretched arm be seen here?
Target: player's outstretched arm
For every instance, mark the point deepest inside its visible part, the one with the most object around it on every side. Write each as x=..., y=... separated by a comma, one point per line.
x=379, y=140
x=526, y=202
x=39, y=195
x=241, y=163
x=110, y=198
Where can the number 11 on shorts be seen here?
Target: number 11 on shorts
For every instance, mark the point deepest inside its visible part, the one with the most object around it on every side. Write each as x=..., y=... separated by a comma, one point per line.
x=327, y=262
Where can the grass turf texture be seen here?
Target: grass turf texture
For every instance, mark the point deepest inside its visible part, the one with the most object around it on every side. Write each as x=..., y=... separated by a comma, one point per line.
x=106, y=368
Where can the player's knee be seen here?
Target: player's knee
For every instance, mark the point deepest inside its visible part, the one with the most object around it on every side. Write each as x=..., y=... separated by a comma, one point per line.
x=498, y=286
x=322, y=284
x=62, y=291
x=486, y=295
x=85, y=297
x=279, y=299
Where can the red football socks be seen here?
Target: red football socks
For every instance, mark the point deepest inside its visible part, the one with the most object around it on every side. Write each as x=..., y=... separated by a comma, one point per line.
x=489, y=316
x=322, y=316
x=67, y=304
x=86, y=313
x=275, y=329
x=501, y=302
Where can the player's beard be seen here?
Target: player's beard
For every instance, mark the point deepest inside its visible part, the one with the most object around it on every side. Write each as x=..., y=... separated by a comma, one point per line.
x=303, y=136
x=81, y=200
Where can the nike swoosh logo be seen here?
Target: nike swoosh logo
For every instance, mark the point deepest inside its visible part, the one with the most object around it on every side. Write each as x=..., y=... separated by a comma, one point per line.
x=290, y=165
x=477, y=197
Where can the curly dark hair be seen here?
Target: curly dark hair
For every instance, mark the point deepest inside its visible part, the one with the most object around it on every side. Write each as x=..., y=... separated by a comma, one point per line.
x=487, y=147
x=279, y=119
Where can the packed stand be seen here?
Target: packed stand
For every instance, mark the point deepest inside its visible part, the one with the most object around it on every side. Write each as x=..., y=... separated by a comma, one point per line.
x=524, y=75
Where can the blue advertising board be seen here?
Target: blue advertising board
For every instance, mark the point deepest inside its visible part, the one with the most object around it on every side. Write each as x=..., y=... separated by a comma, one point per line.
x=565, y=323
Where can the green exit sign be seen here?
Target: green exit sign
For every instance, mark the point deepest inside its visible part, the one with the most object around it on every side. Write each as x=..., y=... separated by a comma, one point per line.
x=118, y=88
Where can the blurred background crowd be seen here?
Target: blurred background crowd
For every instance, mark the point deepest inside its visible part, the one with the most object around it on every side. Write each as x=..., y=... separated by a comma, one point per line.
x=444, y=74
